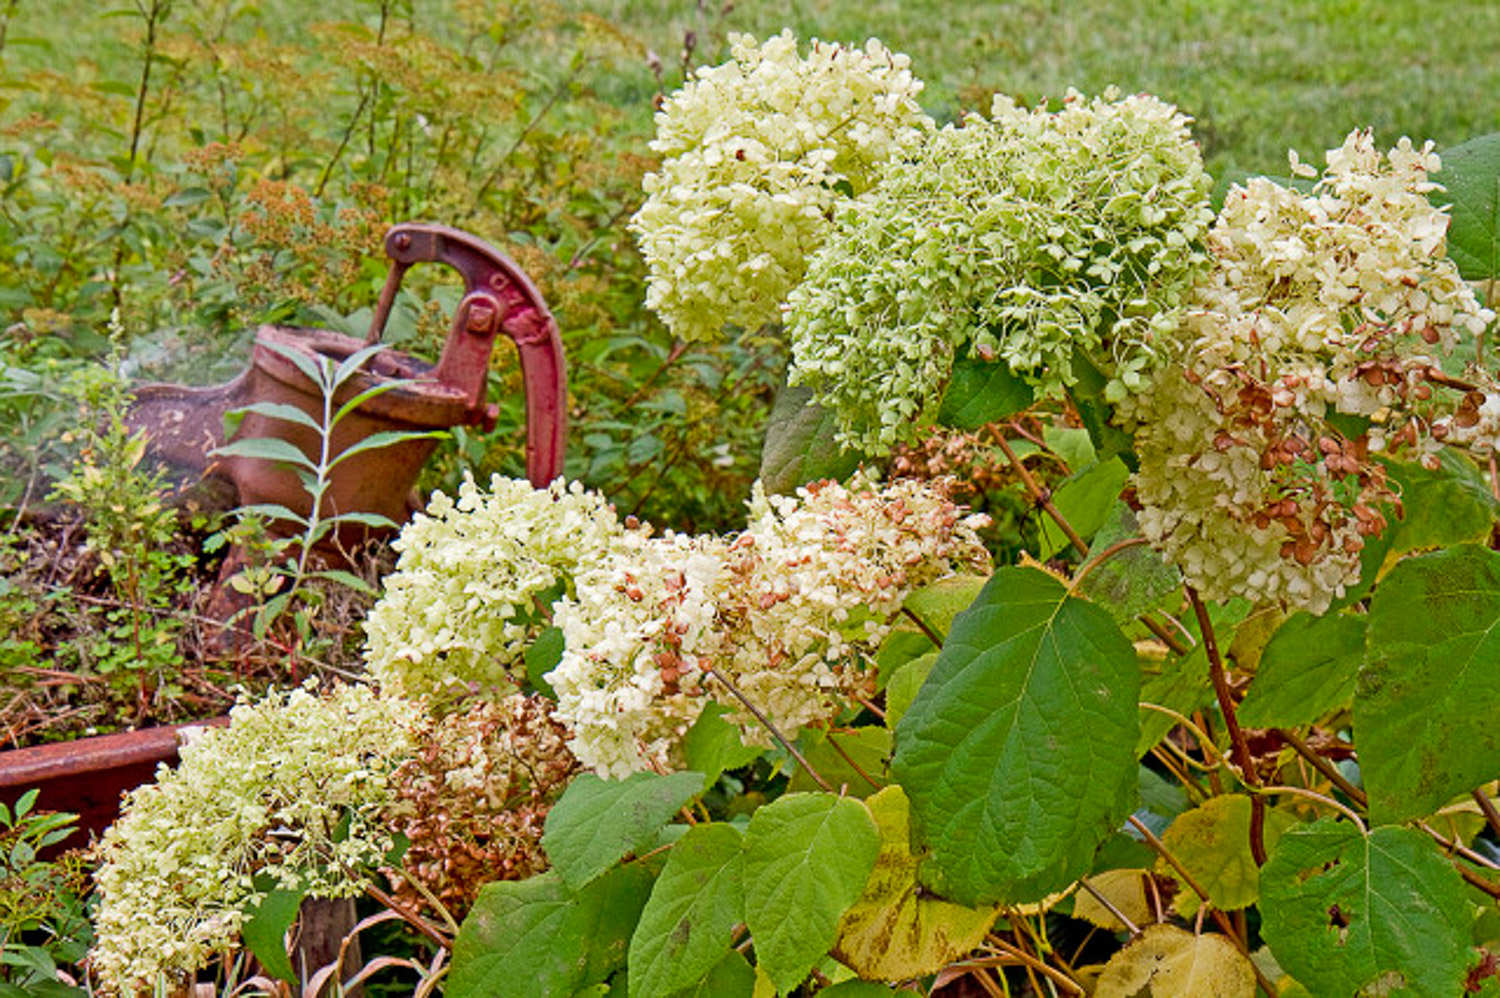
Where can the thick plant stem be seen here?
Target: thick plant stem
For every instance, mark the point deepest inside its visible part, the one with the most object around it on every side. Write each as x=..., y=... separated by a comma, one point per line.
x=1487, y=808
x=766, y=722
x=1242, y=756
x=1326, y=768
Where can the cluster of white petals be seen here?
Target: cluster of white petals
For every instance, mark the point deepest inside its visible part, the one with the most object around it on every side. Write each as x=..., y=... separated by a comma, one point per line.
x=1027, y=237
x=789, y=611
x=1335, y=302
x=755, y=153
x=291, y=791
x=473, y=580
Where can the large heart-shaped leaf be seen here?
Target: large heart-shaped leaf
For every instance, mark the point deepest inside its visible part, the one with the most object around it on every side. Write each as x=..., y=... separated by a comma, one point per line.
x=1018, y=753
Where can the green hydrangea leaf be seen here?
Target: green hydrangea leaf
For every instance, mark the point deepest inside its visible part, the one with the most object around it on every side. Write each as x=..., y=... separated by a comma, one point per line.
x=1018, y=753
x=537, y=939
x=541, y=657
x=905, y=643
x=903, y=687
x=894, y=931
x=981, y=392
x=1384, y=913
x=807, y=858
x=713, y=744
x=937, y=603
x=1449, y=505
x=1084, y=500
x=596, y=821
x=1423, y=712
x=1471, y=176
x=686, y=925
x=1132, y=580
x=836, y=754
x=264, y=932
x=731, y=977
x=1307, y=670
x=799, y=446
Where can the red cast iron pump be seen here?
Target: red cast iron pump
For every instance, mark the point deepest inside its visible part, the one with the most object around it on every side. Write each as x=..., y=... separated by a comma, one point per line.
x=185, y=425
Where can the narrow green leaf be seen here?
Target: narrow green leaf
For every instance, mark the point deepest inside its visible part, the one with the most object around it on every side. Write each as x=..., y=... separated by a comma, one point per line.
x=980, y=392
x=271, y=511
x=374, y=391
x=344, y=578
x=352, y=363
x=1424, y=710
x=1383, y=913
x=686, y=926
x=1306, y=671
x=595, y=822
x=265, y=931
x=385, y=438
x=375, y=521
x=537, y=939
x=317, y=371
x=282, y=411
x=799, y=446
x=1019, y=751
x=807, y=858
x=264, y=449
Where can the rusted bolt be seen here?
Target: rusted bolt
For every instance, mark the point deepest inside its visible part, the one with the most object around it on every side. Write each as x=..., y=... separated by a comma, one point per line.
x=481, y=318
x=402, y=241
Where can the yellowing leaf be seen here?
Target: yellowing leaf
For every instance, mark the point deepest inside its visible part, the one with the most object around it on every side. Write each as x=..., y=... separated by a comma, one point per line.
x=1168, y=962
x=1213, y=842
x=892, y=932
x=1125, y=889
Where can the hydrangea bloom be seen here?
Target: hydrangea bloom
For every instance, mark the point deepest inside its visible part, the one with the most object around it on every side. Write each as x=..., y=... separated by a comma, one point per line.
x=1334, y=302
x=462, y=605
x=788, y=610
x=263, y=796
x=755, y=153
x=1029, y=236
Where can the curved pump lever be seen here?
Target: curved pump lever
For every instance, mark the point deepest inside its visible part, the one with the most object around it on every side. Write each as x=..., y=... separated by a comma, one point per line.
x=498, y=298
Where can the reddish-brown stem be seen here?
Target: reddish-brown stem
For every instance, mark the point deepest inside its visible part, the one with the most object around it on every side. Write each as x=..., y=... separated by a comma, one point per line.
x=1323, y=766
x=1166, y=637
x=1487, y=808
x=1242, y=755
x=1041, y=497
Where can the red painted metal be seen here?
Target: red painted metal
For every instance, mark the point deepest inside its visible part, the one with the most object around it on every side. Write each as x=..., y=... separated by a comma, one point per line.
x=87, y=776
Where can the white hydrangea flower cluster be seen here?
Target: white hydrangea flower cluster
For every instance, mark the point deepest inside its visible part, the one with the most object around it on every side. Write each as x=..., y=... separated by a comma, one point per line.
x=1475, y=422
x=473, y=580
x=789, y=611
x=1332, y=303
x=755, y=154
x=1026, y=236
x=263, y=796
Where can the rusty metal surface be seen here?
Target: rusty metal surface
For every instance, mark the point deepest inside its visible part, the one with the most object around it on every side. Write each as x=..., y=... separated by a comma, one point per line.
x=186, y=424
x=87, y=776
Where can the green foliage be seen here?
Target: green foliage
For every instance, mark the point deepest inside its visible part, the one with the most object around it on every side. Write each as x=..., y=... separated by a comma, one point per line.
x=43, y=925
x=1349, y=912
x=598, y=821
x=684, y=932
x=1307, y=669
x=1471, y=176
x=1423, y=741
x=538, y=939
x=800, y=446
x=1018, y=751
x=980, y=392
x=807, y=857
